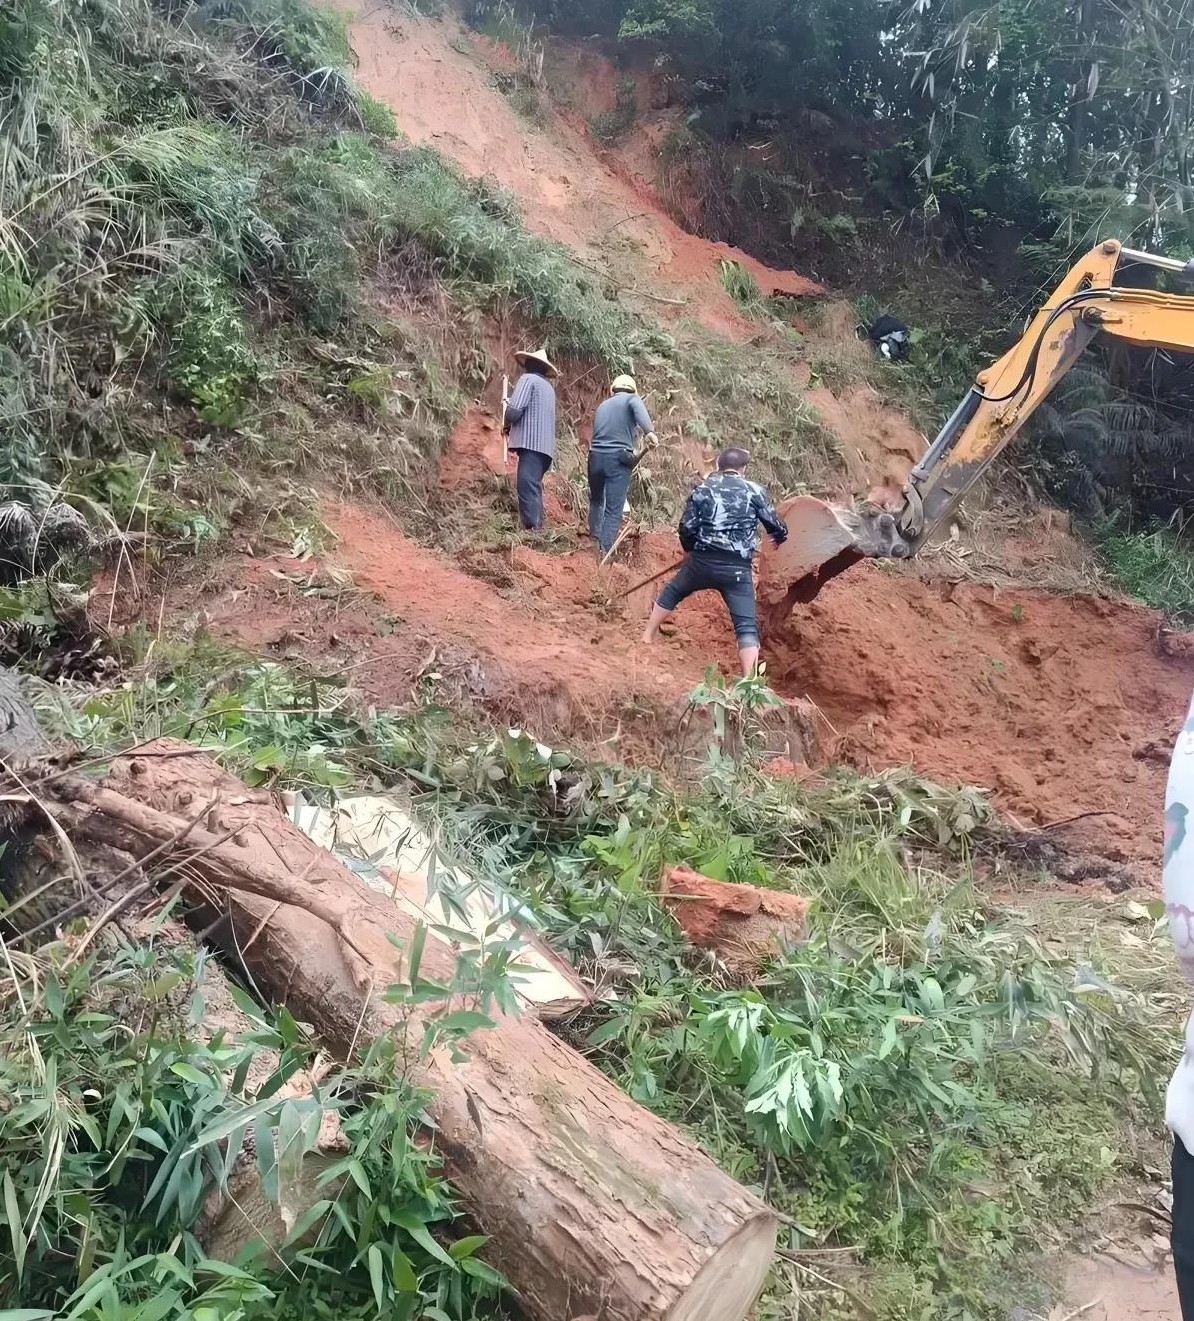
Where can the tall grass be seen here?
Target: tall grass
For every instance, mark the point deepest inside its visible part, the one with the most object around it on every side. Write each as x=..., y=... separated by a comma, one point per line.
x=140, y=157
x=177, y=200
x=1155, y=565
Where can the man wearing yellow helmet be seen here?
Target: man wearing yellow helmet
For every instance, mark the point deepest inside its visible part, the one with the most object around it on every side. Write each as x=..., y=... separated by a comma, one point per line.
x=612, y=458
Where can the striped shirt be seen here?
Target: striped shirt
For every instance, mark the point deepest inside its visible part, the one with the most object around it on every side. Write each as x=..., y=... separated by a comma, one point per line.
x=531, y=415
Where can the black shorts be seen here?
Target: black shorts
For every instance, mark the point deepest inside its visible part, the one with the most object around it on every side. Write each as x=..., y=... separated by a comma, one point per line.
x=1182, y=1236
x=704, y=571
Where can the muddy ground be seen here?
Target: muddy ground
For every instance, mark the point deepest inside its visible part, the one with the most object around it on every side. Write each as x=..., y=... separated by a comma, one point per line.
x=1065, y=706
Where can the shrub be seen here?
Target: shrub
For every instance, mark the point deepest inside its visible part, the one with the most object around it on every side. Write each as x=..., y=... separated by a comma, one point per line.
x=376, y=118
x=741, y=286
x=1156, y=565
x=211, y=359
x=612, y=124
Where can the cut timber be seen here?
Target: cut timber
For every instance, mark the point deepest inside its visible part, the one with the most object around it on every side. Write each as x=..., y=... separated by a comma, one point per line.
x=241, y=1213
x=593, y=1205
x=743, y=923
x=392, y=854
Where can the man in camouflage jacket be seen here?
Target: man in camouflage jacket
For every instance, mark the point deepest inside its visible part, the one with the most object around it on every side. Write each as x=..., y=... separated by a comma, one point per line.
x=720, y=531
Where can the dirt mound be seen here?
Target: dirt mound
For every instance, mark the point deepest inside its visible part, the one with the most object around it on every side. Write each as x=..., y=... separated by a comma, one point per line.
x=439, y=81
x=523, y=628
x=879, y=446
x=1065, y=706
x=999, y=537
x=476, y=447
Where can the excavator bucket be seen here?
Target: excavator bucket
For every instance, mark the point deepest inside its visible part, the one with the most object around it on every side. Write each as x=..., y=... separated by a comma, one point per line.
x=823, y=540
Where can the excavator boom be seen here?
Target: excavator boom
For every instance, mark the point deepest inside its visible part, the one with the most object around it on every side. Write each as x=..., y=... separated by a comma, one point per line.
x=1000, y=402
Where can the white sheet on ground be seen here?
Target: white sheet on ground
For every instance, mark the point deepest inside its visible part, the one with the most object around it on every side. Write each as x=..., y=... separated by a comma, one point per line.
x=378, y=840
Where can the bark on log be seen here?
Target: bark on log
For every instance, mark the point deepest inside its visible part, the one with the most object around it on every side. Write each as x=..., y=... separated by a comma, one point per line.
x=593, y=1205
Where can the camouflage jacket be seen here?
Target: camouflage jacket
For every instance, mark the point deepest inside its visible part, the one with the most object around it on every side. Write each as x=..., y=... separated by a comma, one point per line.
x=723, y=514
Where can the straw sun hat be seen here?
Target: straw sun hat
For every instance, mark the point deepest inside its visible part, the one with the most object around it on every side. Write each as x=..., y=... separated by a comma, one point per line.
x=539, y=355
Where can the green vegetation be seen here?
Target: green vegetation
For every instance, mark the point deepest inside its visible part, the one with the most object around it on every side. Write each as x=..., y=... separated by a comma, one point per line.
x=874, y=1077
x=197, y=217
x=1036, y=118
x=950, y=162
x=612, y=124
x=218, y=269
x=741, y=286
x=122, y=1121
x=1155, y=565
x=166, y=195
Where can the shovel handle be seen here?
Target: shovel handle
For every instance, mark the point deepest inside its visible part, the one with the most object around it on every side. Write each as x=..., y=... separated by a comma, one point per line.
x=631, y=590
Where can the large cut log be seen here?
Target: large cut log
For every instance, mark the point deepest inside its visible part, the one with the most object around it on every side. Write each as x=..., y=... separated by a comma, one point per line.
x=594, y=1206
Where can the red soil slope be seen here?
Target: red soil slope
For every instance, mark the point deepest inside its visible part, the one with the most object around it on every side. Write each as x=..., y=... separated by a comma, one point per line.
x=438, y=80
x=1063, y=705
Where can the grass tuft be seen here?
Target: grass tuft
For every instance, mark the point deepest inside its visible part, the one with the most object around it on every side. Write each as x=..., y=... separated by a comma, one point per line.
x=1155, y=565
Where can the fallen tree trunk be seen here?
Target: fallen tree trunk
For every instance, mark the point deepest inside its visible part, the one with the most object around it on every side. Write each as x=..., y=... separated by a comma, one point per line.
x=593, y=1205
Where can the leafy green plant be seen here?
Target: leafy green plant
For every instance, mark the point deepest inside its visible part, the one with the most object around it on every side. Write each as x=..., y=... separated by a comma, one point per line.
x=741, y=285
x=869, y=1077
x=123, y=1119
x=1156, y=565
x=879, y=1053
x=376, y=118
x=734, y=706
x=614, y=123
x=211, y=359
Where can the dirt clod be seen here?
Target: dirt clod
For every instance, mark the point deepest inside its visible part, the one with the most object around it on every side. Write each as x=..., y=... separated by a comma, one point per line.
x=742, y=923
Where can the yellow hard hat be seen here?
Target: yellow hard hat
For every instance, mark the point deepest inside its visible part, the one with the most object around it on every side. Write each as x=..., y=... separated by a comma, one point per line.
x=624, y=383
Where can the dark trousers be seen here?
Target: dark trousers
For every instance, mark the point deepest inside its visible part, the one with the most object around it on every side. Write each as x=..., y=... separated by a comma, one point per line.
x=711, y=571
x=1182, y=1234
x=532, y=468
x=609, y=480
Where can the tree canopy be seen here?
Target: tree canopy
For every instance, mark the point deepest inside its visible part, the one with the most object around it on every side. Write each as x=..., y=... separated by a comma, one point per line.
x=1059, y=117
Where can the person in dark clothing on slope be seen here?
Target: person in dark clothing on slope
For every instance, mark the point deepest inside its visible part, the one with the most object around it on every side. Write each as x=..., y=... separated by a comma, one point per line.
x=719, y=530
x=612, y=458
x=889, y=335
x=530, y=426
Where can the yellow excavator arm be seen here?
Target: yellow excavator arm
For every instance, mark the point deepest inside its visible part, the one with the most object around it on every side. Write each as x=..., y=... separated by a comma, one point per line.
x=825, y=540
x=1007, y=394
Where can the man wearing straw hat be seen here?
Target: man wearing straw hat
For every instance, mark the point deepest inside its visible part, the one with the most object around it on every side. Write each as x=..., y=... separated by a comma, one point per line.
x=530, y=427
x=612, y=458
